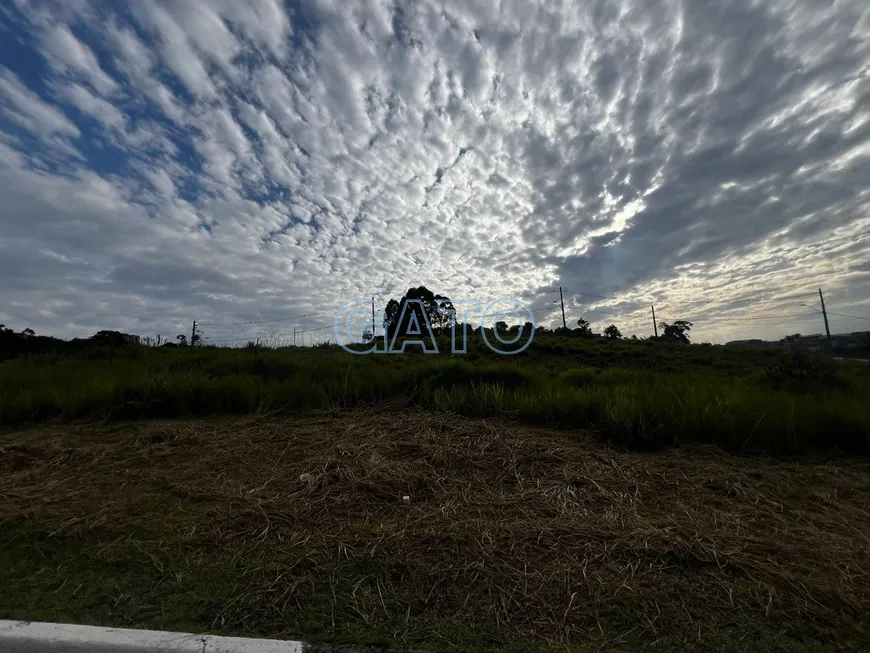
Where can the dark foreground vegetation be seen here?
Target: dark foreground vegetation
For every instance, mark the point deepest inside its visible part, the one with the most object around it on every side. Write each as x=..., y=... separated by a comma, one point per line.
x=441, y=503
x=426, y=531
x=640, y=394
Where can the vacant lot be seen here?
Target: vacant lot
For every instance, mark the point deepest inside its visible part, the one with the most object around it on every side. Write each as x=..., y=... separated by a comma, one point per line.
x=512, y=537
x=643, y=395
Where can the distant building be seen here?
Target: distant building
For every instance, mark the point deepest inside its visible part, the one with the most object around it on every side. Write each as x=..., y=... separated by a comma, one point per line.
x=814, y=342
x=854, y=340
x=819, y=341
x=754, y=344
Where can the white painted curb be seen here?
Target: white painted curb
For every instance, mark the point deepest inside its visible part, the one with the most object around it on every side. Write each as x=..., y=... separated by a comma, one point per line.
x=33, y=637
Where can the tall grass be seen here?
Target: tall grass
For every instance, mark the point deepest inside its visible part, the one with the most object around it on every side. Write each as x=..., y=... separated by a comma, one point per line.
x=792, y=404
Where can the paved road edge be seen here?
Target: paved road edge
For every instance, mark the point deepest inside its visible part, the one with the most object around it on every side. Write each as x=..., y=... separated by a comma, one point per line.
x=37, y=637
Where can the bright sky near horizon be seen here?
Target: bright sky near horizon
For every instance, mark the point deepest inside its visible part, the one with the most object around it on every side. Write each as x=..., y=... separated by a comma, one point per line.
x=247, y=161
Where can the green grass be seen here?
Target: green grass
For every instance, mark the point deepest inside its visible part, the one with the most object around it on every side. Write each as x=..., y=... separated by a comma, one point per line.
x=637, y=394
x=515, y=538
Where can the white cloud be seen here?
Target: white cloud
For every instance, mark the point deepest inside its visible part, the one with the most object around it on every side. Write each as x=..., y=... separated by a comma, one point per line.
x=92, y=105
x=67, y=53
x=175, y=49
x=28, y=110
x=258, y=160
x=263, y=22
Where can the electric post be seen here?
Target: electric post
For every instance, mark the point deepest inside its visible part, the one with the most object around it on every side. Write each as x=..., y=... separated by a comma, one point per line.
x=825, y=315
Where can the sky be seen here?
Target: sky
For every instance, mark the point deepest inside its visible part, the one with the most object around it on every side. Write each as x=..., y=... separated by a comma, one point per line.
x=253, y=164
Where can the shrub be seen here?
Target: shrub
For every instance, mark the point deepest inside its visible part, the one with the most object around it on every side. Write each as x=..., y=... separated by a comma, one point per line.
x=799, y=371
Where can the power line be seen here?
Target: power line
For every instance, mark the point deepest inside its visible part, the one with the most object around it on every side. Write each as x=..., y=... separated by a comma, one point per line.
x=853, y=317
x=235, y=340
x=749, y=299
x=754, y=319
x=545, y=308
x=583, y=294
x=147, y=315
x=240, y=330
x=280, y=319
x=328, y=326
x=611, y=311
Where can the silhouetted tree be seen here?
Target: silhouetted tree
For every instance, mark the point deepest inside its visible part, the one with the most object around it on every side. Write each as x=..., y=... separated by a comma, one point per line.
x=585, y=329
x=439, y=317
x=182, y=340
x=678, y=331
x=612, y=332
x=14, y=344
x=109, y=339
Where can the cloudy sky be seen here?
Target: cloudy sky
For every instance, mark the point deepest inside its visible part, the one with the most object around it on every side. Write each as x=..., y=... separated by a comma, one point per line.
x=253, y=164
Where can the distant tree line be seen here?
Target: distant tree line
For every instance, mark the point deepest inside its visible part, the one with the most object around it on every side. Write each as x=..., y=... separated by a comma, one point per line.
x=26, y=342
x=404, y=317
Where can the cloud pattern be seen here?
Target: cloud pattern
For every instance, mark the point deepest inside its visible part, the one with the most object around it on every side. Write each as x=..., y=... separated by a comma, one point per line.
x=246, y=161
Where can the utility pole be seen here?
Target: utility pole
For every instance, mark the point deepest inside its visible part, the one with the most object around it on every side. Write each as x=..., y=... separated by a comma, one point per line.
x=193, y=334
x=294, y=336
x=825, y=315
x=655, y=324
x=562, y=300
x=374, y=326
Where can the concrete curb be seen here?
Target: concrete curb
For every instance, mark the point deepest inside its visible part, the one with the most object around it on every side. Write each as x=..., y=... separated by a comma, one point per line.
x=34, y=637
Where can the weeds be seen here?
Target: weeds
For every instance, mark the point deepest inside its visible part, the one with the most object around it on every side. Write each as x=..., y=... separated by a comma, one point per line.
x=786, y=403
x=797, y=371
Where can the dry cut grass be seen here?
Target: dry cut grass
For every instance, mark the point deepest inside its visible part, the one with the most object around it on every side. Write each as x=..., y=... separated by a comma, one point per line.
x=420, y=530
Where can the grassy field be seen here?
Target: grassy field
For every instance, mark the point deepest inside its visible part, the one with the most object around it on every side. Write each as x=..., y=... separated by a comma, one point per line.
x=639, y=394
x=475, y=503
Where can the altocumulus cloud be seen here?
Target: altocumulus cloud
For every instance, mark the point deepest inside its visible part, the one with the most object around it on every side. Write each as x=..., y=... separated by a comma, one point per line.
x=241, y=161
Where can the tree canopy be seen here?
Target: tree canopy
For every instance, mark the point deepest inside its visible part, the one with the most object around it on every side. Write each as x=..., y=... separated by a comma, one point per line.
x=584, y=328
x=400, y=314
x=678, y=331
